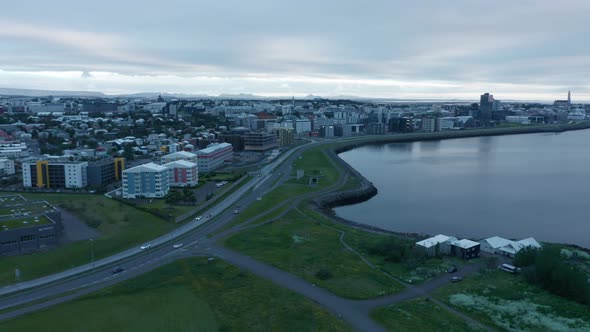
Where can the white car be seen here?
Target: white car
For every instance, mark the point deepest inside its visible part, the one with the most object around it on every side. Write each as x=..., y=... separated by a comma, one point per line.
x=177, y=245
x=145, y=246
x=198, y=218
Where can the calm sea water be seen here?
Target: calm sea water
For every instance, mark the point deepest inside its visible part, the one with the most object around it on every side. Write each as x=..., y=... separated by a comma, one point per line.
x=512, y=186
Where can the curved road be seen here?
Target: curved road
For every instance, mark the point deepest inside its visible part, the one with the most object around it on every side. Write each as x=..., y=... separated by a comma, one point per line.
x=61, y=287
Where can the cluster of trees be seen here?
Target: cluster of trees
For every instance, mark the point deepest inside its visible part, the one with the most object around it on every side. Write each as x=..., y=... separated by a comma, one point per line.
x=397, y=250
x=550, y=269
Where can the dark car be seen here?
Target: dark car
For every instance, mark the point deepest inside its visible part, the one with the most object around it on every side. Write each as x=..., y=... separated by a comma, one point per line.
x=456, y=279
x=117, y=270
x=452, y=269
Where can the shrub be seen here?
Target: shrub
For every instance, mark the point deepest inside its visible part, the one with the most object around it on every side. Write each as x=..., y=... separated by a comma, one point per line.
x=324, y=274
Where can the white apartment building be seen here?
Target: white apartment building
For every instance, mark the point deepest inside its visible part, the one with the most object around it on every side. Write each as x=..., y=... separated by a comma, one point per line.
x=6, y=167
x=148, y=180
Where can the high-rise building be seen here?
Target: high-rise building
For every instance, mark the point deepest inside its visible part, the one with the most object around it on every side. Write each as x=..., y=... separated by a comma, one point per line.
x=286, y=136
x=147, y=180
x=486, y=107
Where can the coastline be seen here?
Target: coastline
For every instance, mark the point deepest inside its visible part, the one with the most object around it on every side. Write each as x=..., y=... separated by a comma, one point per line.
x=366, y=190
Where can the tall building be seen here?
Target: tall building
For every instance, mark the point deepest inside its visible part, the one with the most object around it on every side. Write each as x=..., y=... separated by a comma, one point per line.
x=182, y=173
x=147, y=180
x=429, y=125
x=55, y=174
x=286, y=136
x=486, y=107
x=214, y=156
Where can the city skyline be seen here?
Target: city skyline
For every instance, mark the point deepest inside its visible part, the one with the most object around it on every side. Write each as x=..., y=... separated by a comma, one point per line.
x=525, y=51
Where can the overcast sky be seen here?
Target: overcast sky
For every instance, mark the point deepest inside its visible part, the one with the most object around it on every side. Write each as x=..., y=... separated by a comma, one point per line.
x=394, y=49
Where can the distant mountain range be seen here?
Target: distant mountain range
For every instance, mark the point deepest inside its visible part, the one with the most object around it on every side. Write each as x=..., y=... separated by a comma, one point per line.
x=151, y=95
x=45, y=93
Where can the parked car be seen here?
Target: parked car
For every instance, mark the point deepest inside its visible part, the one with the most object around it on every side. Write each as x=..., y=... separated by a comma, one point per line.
x=145, y=246
x=236, y=211
x=117, y=270
x=177, y=245
x=456, y=279
x=452, y=269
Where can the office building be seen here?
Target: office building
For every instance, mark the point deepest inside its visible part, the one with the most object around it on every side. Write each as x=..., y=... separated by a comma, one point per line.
x=285, y=136
x=486, y=107
x=302, y=126
x=342, y=130
x=236, y=140
x=105, y=171
x=55, y=174
x=147, y=180
x=6, y=167
x=182, y=173
x=429, y=125
x=13, y=150
x=327, y=131
x=260, y=141
x=375, y=128
x=214, y=157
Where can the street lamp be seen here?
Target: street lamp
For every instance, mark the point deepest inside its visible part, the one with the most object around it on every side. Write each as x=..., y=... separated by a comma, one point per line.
x=92, y=252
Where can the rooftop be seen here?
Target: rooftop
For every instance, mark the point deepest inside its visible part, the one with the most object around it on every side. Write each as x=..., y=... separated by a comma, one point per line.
x=149, y=167
x=432, y=241
x=7, y=225
x=180, y=163
x=465, y=243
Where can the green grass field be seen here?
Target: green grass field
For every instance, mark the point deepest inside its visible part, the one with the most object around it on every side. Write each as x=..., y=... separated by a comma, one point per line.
x=303, y=248
x=187, y=295
x=509, y=303
x=361, y=240
x=420, y=314
x=121, y=227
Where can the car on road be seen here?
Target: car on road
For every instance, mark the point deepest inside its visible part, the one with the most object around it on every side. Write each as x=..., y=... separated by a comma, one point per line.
x=117, y=270
x=198, y=218
x=145, y=246
x=456, y=279
x=452, y=269
x=209, y=216
x=177, y=245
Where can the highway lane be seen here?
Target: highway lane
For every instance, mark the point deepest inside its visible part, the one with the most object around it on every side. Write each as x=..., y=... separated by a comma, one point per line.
x=191, y=232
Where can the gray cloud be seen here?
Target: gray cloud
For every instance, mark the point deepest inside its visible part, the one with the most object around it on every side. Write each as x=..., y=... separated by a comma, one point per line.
x=365, y=48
